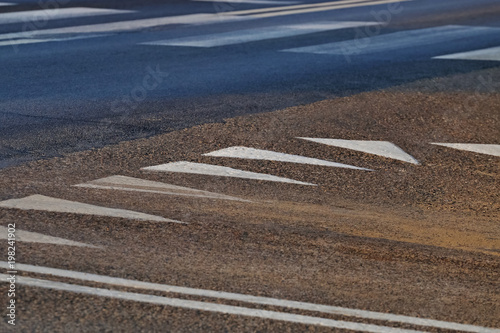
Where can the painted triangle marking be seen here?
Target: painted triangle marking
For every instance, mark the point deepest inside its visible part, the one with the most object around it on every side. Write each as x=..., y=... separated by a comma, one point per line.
x=267, y=155
x=488, y=149
x=34, y=237
x=489, y=54
x=43, y=203
x=381, y=148
x=216, y=170
x=123, y=183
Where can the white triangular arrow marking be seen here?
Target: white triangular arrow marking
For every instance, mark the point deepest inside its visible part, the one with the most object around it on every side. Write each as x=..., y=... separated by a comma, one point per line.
x=489, y=149
x=216, y=170
x=381, y=148
x=34, y=237
x=259, y=154
x=43, y=203
x=124, y=183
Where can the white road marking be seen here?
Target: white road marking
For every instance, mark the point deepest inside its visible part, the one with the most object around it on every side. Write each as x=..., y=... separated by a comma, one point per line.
x=489, y=54
x=123, y=183
x=249, y=298
x=489, y=149
x=123, y=26
x=7, y=4
x=204, y=306
x=43, y=203
x=216, y=170
x=34, y=237
x=258, y=34
x=381, y=148
x=322, y=9
x=267, y=155
x=54, y=14
x=256, y=2
x=288, y=8
x=35, y=40
x=398, y=40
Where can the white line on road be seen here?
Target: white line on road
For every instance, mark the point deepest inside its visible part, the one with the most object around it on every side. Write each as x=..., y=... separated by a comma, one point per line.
x=34, y=237
x=259, y=154
x=123, y=26
x=326, y=8
x=43, y=203
x=398, y=40
x=489, y=54
x=216, y=170
x=255, y=2
x=123, y=183
x=44, y=15
x=258, y=34
x=205, y=306
x=7, y=4
x=489, y=149
x=381, y=148
x=36, y=40
x=250, y=299
x=287, y=8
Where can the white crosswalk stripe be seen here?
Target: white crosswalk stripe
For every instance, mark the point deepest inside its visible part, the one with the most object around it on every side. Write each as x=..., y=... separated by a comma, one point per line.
x=489, y=54
x=216, y=170
x=254, y=2
x=258, y=34
x=259, y=154
x=6, y=4
x=34, y=237
x=398, y=40
x=48, y=204
x=488, y=149
x=381, y=148
x=122, y=183
x=54, y=14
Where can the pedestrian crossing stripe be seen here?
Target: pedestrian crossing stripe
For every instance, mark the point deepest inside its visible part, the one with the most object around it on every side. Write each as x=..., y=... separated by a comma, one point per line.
x=489, y=54
x=34, y=237
x=488, y=149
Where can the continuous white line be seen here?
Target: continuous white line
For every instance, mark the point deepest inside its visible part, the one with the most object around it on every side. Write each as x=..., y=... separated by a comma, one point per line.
x=256, y=2
x=251, y=299
x=321, y=9
x=35, y=40
x=204, y=306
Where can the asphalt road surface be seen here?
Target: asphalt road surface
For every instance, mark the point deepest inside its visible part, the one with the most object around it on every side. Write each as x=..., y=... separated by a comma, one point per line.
x=250, y=166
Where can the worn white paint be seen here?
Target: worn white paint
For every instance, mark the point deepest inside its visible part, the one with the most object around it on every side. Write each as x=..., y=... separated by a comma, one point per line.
x=204, y=306
x=257, y=34
x=123, y=183
x=34, y=237
x=381, y=148
x=43, y=203
x=409, y=39
x=253, y=2
x=44, y=15
x=326, y=8
x=248, y=298
x=489, y=149
x=36, y=40
x=259, y=154
x=122, y=26
x=216, y=170
x=289, y=8
x=489, y=54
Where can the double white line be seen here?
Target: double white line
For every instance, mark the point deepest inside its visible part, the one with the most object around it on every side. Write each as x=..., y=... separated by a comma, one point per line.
x=229, y=309
x=309, y=8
